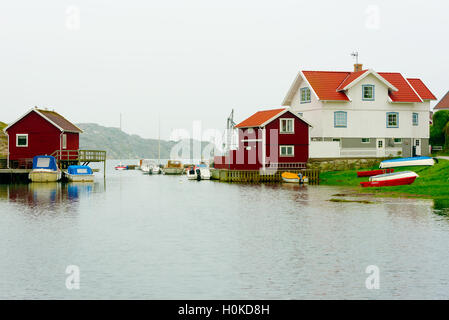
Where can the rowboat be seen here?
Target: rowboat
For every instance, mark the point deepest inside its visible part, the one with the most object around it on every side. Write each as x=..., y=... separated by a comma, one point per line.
x=391, y=179
x=45, y=169
x=371, y=173
x=294, y=177
x=405, y=162
x=79, y=174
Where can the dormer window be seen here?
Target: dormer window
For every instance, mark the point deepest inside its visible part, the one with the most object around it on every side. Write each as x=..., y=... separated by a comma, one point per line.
x=368, y=92
x=305, y=95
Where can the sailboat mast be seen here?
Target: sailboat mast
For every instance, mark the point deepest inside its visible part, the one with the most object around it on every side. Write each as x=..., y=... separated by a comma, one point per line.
x=159, y=140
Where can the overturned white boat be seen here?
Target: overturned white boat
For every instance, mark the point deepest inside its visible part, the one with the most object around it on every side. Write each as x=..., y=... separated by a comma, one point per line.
x=405, y=162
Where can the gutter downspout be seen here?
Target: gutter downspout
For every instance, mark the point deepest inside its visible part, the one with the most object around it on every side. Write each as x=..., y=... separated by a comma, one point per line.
x=264, y=148
x=7, y=156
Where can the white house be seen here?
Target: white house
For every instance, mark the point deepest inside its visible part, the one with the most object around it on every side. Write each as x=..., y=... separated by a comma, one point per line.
x=362, y=113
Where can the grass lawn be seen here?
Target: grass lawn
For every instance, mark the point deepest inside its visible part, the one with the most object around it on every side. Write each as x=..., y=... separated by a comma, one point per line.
x=433, y=182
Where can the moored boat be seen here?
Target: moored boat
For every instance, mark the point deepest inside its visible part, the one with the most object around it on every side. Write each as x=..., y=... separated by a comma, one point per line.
x=121, y=167
x=80, y=174
x=155, y=169
x=173, y=167
x=145, y=165
x=405, y=162
x=294, y=177
x=198, y=172
x=371, y=173
x=391, y=179
x=45, y=169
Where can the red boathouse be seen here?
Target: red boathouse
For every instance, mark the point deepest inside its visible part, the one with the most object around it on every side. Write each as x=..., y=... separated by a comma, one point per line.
x=269, y=139
x=40, y=132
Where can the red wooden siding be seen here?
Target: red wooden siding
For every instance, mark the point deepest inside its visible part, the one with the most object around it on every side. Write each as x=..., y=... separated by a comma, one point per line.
x=243, y=159
x=43, y=138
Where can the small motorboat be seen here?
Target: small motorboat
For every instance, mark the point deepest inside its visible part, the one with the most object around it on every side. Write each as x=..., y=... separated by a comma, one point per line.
x=405, y=162
x=121, y=167
x=79, y=174
x=155, y=169
x=45, y=169
x=199, y=172
x=391, y=179
x=145, y=165
x=294, y=177
x=371, y=173
x=173, y=167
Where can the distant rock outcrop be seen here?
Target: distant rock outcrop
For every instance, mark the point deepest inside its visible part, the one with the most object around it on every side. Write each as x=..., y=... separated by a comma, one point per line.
x=3, y=141
x=120, y=145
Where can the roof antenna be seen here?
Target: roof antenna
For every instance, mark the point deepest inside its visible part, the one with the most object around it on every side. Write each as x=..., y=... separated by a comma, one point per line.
x=355, y=54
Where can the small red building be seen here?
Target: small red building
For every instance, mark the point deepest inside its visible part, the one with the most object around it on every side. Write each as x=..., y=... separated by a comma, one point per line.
x=269, y=139
x=40, y=132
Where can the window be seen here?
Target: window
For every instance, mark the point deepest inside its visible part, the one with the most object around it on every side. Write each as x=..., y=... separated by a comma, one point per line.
x=368, y=92
x=287, y=125
x=415, y=119
x=22, y=140
x=286, y=151
x=397, y=140
x=305, y=95
x=340, y=119
x=336, y=139
x=392, y=120
x=249, y=130
x=64, y=141
x=366, y=140
x=380, y=143
x=300, y=114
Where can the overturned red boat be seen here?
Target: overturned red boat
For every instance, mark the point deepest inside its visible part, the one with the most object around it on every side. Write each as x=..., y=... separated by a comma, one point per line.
x=391, y=179
x=371, y=173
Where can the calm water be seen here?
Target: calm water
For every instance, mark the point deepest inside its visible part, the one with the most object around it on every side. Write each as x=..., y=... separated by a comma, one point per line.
x=162, y=237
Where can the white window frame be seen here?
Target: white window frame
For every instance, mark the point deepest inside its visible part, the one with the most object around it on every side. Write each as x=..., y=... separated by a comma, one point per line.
x=415, y=123
x=305, y=95
x=64, y=141
x=399, y=142
x=17, y=139
x=287, y=146
x=292, y=125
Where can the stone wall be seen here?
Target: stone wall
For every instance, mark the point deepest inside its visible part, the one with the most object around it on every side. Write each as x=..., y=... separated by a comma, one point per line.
x=343, y=164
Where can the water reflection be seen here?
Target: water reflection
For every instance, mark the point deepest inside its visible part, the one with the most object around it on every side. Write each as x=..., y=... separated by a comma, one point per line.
x=48, y=194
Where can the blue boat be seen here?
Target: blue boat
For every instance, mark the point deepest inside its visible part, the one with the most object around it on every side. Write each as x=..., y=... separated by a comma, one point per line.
x=80, y=174
x=45, y=169
x=405, y=162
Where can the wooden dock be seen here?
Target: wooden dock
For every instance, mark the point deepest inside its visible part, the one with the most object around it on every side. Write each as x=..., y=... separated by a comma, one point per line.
x=14, y=175
x=255, y=176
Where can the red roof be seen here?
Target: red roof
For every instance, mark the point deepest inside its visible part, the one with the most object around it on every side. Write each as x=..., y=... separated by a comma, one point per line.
x=444, y=102
x=351, y=77
x=259, y=118
x=421, y=88
x=325, y=84
x=405, y=92
x=329, y=85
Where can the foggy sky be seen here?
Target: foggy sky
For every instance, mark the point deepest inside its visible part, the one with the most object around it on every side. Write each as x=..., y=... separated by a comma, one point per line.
x=196, y=60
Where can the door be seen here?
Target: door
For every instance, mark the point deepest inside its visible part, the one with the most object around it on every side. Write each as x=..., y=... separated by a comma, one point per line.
x=380, y=148
x=417, y=145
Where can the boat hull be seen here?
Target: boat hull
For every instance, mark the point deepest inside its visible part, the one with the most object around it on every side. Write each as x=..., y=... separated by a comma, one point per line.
x=406, y=162
x=371, y=173
x=388, y=183
x=173, y=171
x=44, y=176
x=290, y=177
x=80, y=178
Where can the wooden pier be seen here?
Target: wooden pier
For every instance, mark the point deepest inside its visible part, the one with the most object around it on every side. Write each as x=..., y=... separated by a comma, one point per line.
x=256, y=176
x=66, y=158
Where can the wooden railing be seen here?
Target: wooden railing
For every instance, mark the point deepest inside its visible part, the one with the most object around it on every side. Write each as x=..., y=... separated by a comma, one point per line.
x=80, y=155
